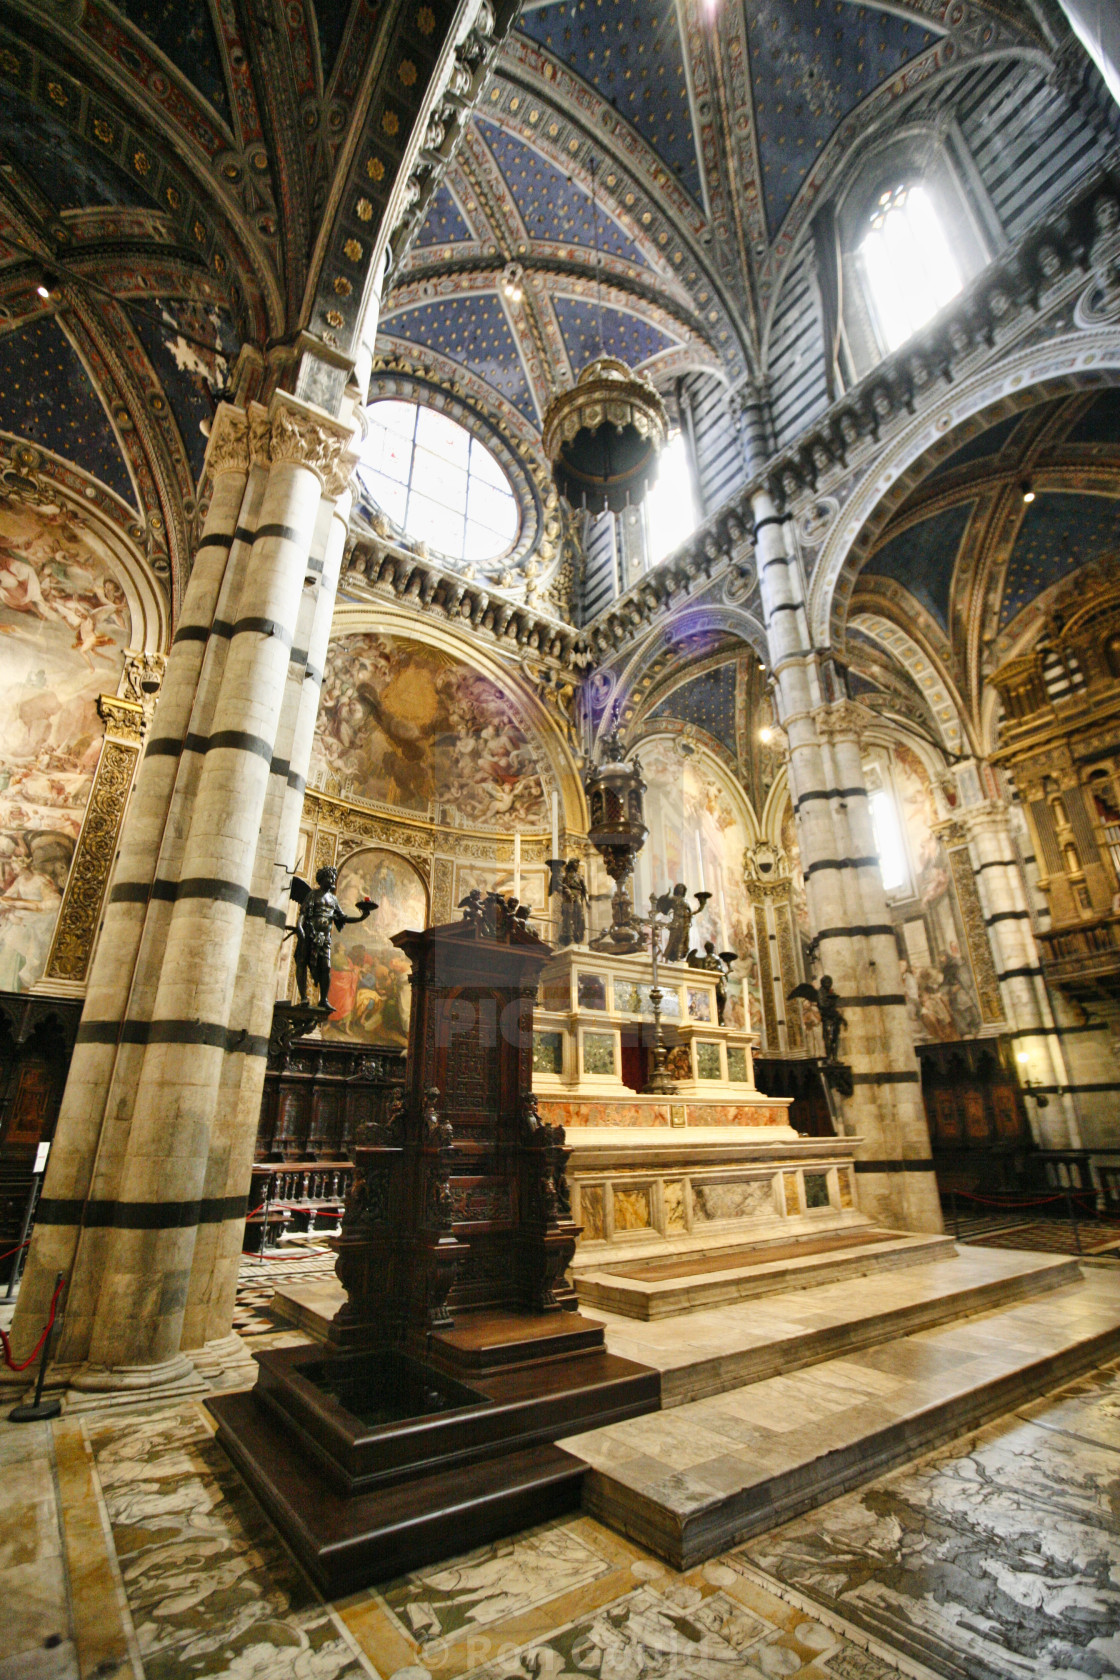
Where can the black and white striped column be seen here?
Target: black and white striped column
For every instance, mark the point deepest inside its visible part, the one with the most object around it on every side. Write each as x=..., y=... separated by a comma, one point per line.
x=847, y=905
x=1003, y=900
x=213, y=1285
x=93, y=1120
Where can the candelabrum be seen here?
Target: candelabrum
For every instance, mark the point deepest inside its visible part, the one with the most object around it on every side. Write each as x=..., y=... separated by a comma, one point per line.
x=618, y=832
x=659, y=1082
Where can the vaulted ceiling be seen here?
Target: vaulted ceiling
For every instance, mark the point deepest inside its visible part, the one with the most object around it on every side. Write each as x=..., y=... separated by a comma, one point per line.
x=706, y=134
x=962, y=575
x=185, y=177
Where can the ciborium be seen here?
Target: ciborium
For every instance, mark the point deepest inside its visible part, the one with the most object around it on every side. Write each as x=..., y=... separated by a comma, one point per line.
x=618, y=832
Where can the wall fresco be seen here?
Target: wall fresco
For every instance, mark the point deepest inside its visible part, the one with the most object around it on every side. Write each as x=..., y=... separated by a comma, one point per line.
x=369, y=977
x=697, y=836
x=941, y=1000
x=408, y=725
x=64, y=626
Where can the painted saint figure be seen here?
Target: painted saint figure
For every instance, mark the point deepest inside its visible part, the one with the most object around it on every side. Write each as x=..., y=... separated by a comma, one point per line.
x=320, y=914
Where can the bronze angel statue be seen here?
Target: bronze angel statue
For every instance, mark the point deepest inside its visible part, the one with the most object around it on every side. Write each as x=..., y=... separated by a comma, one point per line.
x=675, y=905
x=320, y=914
x=828, y=1004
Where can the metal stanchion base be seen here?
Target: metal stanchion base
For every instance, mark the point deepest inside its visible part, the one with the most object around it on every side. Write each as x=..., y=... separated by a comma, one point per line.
x=35, y=1411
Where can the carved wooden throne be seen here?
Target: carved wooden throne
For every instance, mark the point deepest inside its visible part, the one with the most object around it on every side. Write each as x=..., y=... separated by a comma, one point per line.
x=459, y=1204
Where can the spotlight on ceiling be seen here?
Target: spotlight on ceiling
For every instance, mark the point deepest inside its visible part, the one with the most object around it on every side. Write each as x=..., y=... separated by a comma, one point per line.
x=1027, y=489
x=512, y=276
x=765, y=735
x=42, y=289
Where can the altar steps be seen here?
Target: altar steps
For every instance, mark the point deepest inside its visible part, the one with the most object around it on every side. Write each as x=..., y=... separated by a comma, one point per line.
x=722, y=1348
x=347, y=1541
x=703, y=1476
x=667, y=1286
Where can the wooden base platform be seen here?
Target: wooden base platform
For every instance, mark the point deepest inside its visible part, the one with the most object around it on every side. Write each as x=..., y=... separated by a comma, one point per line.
x=377, y=1462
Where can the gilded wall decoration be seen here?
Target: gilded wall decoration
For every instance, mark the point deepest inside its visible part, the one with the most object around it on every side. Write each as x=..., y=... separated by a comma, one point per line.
x=976, y=934
x=93, y=859
x=65, y=625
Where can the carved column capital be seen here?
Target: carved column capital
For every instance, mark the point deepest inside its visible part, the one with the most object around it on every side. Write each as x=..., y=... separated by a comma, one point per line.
x=843, y=720
x=308, y=437
x=228, y=448
x=260, y=435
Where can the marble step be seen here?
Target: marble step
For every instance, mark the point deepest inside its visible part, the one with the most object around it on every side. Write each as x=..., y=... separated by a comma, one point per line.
x=722, y=1348
x=650, y=1290
x=693, y=1481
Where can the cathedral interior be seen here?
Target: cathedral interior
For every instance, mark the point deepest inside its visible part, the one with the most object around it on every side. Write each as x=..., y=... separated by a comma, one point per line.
x=594, y=527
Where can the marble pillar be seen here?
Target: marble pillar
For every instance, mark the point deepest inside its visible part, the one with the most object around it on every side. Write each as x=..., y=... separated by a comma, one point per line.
x=847, y=905
x=172, y=1019
x=1007, y=918
x=217, y=1253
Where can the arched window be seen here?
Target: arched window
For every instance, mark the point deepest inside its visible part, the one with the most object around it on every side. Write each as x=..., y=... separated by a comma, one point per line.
x=908, y=262
x=670, y=507
x=438, y=483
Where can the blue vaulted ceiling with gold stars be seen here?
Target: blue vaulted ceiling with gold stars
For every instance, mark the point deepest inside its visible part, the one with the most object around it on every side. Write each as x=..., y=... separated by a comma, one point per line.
x=962, y=576
x=688, y=143
x=178, y=179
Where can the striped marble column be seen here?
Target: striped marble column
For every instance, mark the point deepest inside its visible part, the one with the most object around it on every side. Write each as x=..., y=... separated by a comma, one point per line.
x=846, y=902
x=105, y=1053
x=144, y=1277
x=213, y=1285
x=1003, y=900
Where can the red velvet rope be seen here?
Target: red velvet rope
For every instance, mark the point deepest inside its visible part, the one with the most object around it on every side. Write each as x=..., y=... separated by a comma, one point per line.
x=1009, y=1207
x=16, y=1249
x=59, y=1287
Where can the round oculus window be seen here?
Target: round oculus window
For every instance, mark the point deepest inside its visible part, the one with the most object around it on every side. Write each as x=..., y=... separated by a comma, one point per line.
x=437, y=483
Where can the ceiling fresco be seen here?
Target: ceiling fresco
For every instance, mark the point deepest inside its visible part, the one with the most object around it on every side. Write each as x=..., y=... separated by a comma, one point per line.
x=191, y=349
x=474, y=331
x=1059, y=534
x=330, y=25
x=627, y=336
x=444, y=223
x=708, y=701
x=55, y=160
x=636, y=66
x=46, y=397
x=812, y=63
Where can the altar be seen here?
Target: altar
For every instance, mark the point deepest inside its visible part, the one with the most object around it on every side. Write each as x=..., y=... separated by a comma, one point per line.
x=707, y=1169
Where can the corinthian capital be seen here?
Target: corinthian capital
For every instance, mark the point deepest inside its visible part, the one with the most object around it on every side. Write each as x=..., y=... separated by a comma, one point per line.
x=228, y=448
x=260, y=435
x=843, y=720
x=307, y=437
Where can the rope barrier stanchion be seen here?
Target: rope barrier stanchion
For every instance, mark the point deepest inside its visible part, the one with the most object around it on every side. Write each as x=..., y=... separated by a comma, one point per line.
x=38, y=1409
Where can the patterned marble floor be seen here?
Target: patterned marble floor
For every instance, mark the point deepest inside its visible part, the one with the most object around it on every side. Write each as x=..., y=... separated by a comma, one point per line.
x=129, y=1547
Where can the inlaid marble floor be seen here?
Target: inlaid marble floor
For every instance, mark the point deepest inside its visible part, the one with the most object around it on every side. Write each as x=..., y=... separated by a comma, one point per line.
x=129, y=1547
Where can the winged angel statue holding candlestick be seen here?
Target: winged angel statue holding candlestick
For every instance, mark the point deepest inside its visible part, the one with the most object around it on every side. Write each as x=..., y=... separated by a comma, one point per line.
x=675, y=905
x=320, y=914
